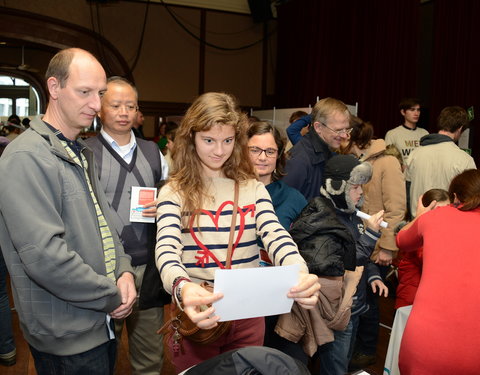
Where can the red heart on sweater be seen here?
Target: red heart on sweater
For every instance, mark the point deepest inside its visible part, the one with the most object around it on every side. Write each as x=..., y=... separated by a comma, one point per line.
x=205, y=253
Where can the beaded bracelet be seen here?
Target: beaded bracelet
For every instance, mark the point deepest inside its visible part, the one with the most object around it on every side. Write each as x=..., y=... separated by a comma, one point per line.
x=176, y=291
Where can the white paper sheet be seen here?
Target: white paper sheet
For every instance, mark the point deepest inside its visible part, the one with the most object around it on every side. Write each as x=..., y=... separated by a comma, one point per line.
x=254, y=292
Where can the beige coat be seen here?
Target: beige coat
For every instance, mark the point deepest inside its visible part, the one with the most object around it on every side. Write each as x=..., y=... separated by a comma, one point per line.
x=385, y=191
x=315, y=327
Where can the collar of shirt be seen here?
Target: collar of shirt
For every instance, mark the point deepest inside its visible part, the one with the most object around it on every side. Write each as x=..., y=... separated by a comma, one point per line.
x=126, y=151
x=73, y=144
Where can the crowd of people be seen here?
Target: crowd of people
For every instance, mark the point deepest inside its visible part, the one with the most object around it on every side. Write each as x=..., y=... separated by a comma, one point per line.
x=231, y=193
x=13, y=127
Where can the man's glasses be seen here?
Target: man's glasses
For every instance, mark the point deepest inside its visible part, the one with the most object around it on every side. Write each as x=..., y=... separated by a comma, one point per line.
x=346, y=131
x=257, y=151
x=128, y=107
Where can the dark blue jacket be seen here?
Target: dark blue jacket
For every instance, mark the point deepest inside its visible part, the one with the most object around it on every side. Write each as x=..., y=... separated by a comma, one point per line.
x=306, y=164
x=365, y=243
x=295, y=128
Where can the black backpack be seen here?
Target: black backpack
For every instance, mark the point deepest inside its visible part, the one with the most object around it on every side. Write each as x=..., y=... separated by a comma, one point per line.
x=252, y=360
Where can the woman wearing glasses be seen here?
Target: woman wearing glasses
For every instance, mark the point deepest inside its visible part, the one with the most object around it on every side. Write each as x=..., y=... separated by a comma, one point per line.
x=266, y=149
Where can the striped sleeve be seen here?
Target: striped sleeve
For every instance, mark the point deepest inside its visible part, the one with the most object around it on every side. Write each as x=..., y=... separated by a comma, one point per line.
x=169, y=246
x=277, y=241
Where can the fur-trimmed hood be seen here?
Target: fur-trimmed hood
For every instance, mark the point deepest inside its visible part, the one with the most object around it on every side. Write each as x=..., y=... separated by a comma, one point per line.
x=341, y=173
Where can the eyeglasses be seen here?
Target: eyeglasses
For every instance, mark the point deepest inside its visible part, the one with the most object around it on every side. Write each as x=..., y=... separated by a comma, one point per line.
x=128, y=107
x=338, y=132
x=257, y=151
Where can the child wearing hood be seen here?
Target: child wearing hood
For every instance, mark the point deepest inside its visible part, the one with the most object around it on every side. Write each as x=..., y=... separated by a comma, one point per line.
x=335, y=242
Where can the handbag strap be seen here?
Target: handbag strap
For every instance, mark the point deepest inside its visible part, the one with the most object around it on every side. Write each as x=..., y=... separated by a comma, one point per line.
x=232, y=227
x=177, y=316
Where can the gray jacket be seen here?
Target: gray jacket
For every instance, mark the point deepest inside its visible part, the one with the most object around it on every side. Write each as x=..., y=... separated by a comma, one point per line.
x=52, y=244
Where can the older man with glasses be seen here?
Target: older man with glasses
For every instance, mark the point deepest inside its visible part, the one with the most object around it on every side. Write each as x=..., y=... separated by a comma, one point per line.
x=331, y=126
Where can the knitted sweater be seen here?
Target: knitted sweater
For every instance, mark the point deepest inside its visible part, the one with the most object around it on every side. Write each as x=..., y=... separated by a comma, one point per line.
x=117, y=178
x=196, y=251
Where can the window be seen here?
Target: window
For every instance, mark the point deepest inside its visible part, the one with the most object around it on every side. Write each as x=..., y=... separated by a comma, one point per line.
x=15, y=93
x=22, y=107
x=5, y=107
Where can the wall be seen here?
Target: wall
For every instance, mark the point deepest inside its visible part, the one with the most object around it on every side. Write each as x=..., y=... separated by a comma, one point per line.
x=173, y=67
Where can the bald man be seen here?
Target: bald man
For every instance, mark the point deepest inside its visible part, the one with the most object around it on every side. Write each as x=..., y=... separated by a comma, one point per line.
x=70, y=275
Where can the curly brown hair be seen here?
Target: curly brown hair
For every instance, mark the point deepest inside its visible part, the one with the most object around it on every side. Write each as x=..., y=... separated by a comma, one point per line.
x=208, y=110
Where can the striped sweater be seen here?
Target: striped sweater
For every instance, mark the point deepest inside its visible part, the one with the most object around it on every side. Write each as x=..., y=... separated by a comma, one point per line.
x=196, y=251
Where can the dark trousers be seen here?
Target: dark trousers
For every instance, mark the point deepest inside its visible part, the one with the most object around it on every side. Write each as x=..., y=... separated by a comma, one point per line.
x=369, y=323
x=367, y=332
x=272, y=340
x=7, y=345
x=96, y=361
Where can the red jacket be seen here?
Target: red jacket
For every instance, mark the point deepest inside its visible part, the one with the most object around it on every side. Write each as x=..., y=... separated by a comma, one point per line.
x=409, y=274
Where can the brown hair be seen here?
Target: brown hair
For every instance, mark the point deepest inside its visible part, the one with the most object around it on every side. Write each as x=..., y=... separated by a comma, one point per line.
x=361, y=135
x=296, y=115
x=208, y=110
x=466, y=187
x=452, y=118
x=407, y=103
x=171, y=130
x=438, y=195
x=263, y=127
x=59, y=66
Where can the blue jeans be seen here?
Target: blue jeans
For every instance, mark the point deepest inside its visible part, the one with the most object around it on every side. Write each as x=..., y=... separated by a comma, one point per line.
x=96, y=361
x=7, y=345
x=334, y=356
